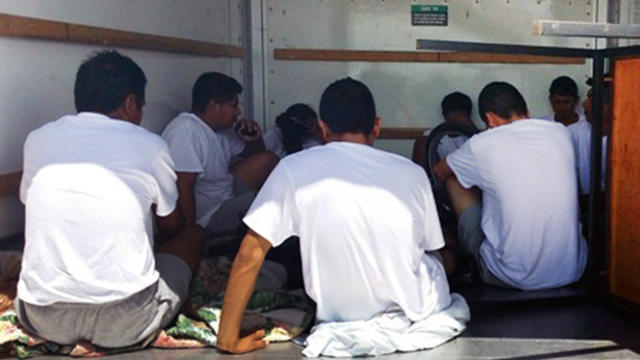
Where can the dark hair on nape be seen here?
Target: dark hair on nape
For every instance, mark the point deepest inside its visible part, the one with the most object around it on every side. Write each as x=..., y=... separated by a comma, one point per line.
x=347, y=106
x=297, y=124
x=502, y=99
x=104, y=80
x=456, y=101
x=564, y=86
x=213, y=86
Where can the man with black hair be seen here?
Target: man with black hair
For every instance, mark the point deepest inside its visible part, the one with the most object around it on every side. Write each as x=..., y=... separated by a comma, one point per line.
x=563, y=97
x=367, y=225
x=522, y=230
x=213, y=193
x=456, y=109
x=91, y=184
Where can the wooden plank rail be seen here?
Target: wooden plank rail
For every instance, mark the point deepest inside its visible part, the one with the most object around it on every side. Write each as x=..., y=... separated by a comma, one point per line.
x=26, y=27
x=10, y=183
x=417, y=56
x=401, y=133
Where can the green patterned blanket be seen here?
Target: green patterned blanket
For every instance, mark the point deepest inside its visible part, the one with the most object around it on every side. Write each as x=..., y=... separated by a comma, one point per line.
x=284, y=315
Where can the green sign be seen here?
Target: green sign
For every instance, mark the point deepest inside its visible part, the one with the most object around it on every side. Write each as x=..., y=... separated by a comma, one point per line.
x=429, y=15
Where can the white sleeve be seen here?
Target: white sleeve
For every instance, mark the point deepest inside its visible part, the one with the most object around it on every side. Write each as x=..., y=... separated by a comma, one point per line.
x=464, y=165
x=185, y=149
x=433, y=239
x=167, y=190
x=27, y=172
x=273, y=214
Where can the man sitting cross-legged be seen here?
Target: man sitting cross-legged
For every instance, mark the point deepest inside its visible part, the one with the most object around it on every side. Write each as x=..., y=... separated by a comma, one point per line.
x=91, y=183
x=366, y=220
x=523, y=229
x=214, y=193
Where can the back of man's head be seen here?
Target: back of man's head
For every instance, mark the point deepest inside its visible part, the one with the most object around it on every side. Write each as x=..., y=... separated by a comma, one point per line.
x=456, y=101
x=502, y=99
x=104, y=81
x=564, y=86
x=347, y=106
x=213, y=86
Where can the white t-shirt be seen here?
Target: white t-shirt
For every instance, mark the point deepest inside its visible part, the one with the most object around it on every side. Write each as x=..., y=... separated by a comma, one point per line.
x=88, y=185
x=365, y=218
x=273, y=142
x=526, y=171
x=581, y=138
x=196, y=148
x=551, y=117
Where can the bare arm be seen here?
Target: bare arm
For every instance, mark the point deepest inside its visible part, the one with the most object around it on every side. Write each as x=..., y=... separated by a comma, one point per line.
x=253, y=147
x=241, y=283
x=171, y=224
x=442, y=171
x=186, y=200
x=419, y=155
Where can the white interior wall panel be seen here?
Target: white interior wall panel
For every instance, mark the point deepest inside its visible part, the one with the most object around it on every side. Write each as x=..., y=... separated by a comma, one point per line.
x=36, y=80
x=409, y=94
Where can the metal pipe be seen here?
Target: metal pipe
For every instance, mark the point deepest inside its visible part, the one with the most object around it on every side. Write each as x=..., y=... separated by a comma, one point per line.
x=425, y=44
x=595, y=207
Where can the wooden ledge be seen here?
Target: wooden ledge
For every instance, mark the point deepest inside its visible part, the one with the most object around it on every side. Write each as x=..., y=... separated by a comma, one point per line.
x=417, y=56
x=408, y=133
x=32, y=28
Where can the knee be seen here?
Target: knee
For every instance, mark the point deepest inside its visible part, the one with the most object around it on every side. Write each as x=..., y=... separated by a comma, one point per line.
x=267, y=160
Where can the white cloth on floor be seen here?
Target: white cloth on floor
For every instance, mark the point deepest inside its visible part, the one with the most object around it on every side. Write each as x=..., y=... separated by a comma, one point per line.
x=388, y=332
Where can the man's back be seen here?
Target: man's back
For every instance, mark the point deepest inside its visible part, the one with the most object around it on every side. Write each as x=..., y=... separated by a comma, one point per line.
x=365, y=218
x=526, y=171
x=88, y=186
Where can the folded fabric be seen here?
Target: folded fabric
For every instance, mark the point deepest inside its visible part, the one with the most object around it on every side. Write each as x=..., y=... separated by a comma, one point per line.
x=388, y=332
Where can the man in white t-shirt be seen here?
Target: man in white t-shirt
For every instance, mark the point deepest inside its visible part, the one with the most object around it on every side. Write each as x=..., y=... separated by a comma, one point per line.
x=563, y=97
x=581, y=136
x=456, y=109
x=214, y=192
x=366, y=220
x=91, y=185
x=523, y=230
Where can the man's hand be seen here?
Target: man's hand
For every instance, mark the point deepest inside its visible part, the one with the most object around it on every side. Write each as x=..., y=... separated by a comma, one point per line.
x=248, y=130
x=248, y=343
x=242, y=280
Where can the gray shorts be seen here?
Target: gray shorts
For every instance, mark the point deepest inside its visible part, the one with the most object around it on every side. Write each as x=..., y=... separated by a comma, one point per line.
x=470, y=237
x=118, y=323
x=228, y=217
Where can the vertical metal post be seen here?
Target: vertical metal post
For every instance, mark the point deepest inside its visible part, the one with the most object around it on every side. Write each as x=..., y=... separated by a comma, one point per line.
x=596, y=213
x=256, y=60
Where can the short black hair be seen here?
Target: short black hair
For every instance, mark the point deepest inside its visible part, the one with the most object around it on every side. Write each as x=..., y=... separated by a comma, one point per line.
x=347, y=106
x=456, y=101
x=564, y=86
x=297, y=125
x=213, y=86
x=502, y=99
x=104, y=81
